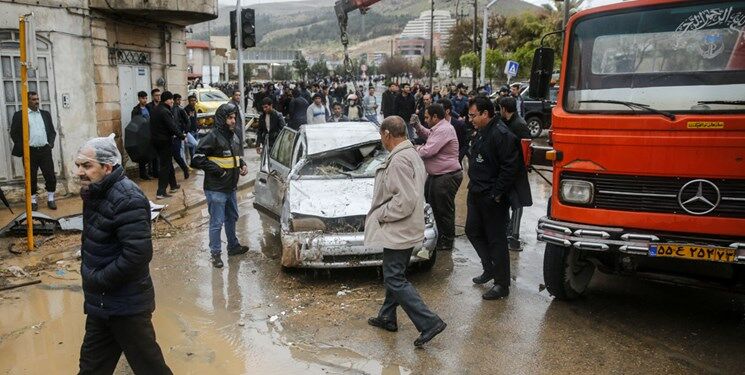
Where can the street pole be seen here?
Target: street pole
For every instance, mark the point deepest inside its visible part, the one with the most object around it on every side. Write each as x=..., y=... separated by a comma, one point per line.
x=566, y=12
x=239, y=46
x=483, y=41
x=431, y=44
x=209, y=48
x=475, y=34
x=23, y=23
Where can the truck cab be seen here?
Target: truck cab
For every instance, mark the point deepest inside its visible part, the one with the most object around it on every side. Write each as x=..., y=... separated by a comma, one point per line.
x=648, y=139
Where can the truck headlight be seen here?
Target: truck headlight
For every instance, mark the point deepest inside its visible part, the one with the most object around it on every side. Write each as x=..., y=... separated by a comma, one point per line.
x=577, y=191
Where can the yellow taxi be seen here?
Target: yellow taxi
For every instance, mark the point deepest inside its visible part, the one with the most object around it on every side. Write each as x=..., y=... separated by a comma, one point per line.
x=208, y=100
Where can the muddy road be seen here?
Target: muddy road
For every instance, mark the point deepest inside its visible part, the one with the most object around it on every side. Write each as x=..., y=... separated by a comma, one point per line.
x=253, y=318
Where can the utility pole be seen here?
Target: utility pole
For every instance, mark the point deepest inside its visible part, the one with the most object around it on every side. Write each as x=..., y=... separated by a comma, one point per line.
x=209, y=48
x=566, y=12
x=432, y=44
x=27, y=35
x=483, y=41
x=475, y=34
x=239, y=46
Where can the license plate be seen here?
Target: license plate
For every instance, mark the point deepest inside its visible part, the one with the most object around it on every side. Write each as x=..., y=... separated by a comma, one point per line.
x=713, y=254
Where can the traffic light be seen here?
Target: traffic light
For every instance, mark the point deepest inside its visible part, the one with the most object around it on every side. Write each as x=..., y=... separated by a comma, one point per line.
x=248, y=29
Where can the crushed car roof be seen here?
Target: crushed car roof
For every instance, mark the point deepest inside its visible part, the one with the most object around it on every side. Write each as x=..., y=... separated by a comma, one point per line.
x=333, y=136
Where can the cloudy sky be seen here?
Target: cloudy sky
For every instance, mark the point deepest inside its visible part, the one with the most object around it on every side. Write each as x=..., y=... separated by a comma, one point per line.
x=590, y=3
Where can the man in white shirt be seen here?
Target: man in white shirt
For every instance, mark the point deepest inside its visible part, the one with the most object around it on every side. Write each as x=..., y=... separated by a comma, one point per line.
x=316, y=113
x=41, y=140
x=370, y=104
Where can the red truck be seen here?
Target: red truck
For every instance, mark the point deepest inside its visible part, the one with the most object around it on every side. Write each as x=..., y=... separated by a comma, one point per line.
x=648, y=145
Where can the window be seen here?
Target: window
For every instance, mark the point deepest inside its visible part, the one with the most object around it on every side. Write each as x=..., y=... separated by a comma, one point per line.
x=213, y=96
x=669, y=57
x=282, y=149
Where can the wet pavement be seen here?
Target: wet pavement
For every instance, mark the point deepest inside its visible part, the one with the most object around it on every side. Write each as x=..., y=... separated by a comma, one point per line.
x=252, y=317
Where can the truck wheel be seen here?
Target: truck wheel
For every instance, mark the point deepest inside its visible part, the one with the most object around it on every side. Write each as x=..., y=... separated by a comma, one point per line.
x=565, y=273
x=535, y=125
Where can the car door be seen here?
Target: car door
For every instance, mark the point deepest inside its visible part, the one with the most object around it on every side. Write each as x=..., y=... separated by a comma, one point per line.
x=275, y=167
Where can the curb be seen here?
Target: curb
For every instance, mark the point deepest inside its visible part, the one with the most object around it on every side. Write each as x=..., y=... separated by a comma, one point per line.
x=248, y=184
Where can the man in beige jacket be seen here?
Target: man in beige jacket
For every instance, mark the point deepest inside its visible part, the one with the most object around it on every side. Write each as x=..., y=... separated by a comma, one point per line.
x=396, y=223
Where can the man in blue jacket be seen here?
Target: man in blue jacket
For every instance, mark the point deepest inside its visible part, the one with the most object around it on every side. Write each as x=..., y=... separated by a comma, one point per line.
x=116, y=251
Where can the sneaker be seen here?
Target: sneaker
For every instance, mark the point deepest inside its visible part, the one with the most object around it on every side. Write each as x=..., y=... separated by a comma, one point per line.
x=52, y=205
x=240, y=249
x=163, y=196
x=175, y=188
x=217, y=261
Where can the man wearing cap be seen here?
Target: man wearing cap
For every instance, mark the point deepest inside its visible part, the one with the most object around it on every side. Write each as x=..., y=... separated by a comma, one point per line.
x=116, y=249
x=162, y=130
x=217, y=155
x=316, y=112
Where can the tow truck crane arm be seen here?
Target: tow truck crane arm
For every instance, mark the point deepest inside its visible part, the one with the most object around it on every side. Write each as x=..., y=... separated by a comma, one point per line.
x=342, y=9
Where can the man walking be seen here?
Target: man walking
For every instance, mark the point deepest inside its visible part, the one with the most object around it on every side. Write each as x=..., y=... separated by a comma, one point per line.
x=162, y=130
x=396, y=223
x=515, y=93
x=240, y=118
x=270, y=124
x=182, y=121
x=440, y=155
x=388, y=100
x=217, y=155
x=41, y=136
x=116, y=251
x=495, y=166
x=405, y=104
x=370, y=104
x=316, y=113
x=151, y=107
x=141, y=109
x=297, y=109
x=518, y=127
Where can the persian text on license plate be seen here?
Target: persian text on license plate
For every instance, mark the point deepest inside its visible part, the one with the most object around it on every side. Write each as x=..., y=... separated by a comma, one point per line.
x=714, y=254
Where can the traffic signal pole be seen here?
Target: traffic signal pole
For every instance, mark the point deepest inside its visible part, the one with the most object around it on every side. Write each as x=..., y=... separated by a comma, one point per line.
x=239, y=47
x=24, y=116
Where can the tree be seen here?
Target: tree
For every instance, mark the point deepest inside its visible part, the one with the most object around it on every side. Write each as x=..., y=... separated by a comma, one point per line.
x=318, y=70
x=470, y=60
x=282, y=73
x=495, y=60
x=301, y=65
x=248, y=70
x=395, y=66
x=461, y=38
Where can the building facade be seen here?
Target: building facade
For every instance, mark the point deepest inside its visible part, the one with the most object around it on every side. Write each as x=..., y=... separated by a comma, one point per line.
x=420, y=27
x=93, y=58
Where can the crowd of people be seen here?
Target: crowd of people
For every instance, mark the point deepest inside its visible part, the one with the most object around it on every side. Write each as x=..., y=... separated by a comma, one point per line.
x=427, y=132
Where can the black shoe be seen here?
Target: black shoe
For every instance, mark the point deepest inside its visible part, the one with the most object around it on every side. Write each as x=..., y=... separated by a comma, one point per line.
x=217, y=261
x=514, y=244
x=175, y=188
x=34, y=206
x=482, y=279
x=52, y=205
x=163, y=196
x=379, y=322
x=240, y=249
x=496, y=292
x=426, y=336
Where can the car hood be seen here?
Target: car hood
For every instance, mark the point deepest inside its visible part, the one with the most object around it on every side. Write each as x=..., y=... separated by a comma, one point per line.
x=331, y=198
x=210, y=107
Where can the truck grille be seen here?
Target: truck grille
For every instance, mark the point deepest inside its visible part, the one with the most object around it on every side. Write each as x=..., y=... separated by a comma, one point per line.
x=660, y=194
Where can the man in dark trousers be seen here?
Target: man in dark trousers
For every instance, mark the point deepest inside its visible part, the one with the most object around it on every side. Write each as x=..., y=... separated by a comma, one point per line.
x=395, y=222
x=270, y=124
x=388, y=100
x=41, y=136
x=162, y=130
x=141, y=109
x=495, y=171
x=218, y=156
x=518, y=127
x=155, y=94
x=241, y=119
x=116, y=251
x=182, y=121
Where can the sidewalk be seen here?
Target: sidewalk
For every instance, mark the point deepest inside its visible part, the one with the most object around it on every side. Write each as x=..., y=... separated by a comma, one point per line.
x=190, y=194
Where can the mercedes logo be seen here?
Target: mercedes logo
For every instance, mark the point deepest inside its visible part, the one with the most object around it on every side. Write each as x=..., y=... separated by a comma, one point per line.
x=699, y=197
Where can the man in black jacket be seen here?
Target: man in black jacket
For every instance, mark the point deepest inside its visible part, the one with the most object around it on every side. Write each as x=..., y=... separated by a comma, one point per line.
x=270, y=124
x=388, y=99
x=162, y=130
x=297, y=109
x=497, y=181
x=182, y=121
x=218, y=156
x=141, y=110
x=405, y=104
x=116, y=251
x=40, y=141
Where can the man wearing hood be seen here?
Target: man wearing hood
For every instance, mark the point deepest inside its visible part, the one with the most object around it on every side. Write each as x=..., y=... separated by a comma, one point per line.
x=217, y=155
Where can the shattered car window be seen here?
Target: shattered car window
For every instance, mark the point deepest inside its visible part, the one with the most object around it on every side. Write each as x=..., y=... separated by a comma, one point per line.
x=357, y=162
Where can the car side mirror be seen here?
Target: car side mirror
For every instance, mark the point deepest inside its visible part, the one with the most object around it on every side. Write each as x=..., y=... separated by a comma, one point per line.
x=540, y=72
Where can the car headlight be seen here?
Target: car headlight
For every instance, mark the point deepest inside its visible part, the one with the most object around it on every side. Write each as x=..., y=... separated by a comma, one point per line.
x=577, y=191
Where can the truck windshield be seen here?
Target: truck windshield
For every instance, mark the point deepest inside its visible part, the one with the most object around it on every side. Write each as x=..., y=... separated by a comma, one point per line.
x=669, y=57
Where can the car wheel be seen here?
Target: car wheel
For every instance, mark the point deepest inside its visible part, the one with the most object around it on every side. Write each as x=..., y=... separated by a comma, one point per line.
x=427, y=264
x=566, y=274
x=535, y=126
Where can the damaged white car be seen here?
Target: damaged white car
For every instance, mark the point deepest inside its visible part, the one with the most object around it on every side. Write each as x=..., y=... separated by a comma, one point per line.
x=318, y=182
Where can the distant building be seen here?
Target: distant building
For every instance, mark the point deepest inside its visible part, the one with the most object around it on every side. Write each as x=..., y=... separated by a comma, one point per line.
x=416, y=48
x=420, y=27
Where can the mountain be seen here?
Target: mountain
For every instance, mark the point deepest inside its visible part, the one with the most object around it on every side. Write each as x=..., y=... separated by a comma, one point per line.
x=311, y=25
